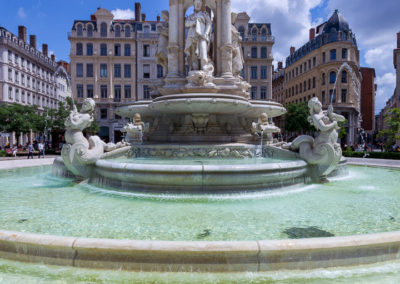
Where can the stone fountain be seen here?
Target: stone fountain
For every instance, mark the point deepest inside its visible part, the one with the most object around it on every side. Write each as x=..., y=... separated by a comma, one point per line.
x=201, y=118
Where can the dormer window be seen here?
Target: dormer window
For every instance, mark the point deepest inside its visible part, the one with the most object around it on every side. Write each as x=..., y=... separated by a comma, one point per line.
x=127, y=31
x=117, y=31
x=103, y=30
x=79, y=30
x=90, y=31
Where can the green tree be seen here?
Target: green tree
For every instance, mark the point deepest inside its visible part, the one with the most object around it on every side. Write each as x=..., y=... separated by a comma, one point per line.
x=392, y=131
x=20, y=119
x=296, y=118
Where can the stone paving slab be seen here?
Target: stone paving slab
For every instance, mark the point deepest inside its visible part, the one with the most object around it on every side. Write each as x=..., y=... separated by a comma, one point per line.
x=7, y=164
x=374, y=162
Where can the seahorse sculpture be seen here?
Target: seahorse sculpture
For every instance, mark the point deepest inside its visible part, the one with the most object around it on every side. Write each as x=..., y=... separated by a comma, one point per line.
x=80, y=152
x=323, y=151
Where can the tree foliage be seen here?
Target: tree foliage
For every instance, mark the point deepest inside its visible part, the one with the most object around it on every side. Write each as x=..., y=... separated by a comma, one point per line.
x=296, y=118
x=20, y=118
x=392, y=131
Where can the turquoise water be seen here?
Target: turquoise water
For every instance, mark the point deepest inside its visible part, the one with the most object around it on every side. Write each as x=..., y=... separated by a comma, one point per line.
x=366, y=201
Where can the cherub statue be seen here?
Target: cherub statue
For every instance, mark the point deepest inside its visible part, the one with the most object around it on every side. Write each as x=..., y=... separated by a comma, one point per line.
x=264, y=128
x=162, y=47
x=135, y=130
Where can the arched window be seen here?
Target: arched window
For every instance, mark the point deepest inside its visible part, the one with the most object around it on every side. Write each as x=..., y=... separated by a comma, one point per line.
x=117, y=31
x=79, y=48
x=79, y=31
x=103, y=30
x=344, y=76
x=264, y=35
x=89, y=30
x=127, y=31
x=254, y=34
x=332, y=77
x=241, y=31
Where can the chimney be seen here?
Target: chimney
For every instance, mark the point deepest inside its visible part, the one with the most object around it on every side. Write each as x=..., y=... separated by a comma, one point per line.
x=32, y=41
x=22, y=33
x=138, y=8
x=312, y=34
x=143, y=17
x=398, y=40
x=292, y=50
x=280, y=65
x=45, y=49
x=93, y=17
x=158, y=18
x=65, y=65
x=53, y=57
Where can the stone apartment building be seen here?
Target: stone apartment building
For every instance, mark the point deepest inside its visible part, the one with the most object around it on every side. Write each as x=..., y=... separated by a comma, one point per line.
x=312, y=70
x=113, y=61
x=28, y=76
x=257, y=42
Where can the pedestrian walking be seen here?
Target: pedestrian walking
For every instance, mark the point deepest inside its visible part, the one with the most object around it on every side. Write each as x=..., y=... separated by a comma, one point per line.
x=30, y=150
x=41, y=150
x=14, y=151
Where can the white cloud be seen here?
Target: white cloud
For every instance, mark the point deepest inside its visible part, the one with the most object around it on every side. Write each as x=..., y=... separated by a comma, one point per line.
x=21, y=13
x=380, y=57
x=126, y=14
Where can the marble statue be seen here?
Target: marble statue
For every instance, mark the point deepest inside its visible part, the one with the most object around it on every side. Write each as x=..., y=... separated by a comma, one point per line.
x=264, y=129
x=134, y=131
x=78, y=152
x=162, y=47
x=198, y=39
x=323, y=151
x=237, y=53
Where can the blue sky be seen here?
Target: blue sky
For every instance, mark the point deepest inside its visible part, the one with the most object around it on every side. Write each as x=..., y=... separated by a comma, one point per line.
x=375, y=24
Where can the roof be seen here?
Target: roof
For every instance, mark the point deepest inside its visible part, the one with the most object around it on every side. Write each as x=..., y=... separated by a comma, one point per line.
x=336, y=23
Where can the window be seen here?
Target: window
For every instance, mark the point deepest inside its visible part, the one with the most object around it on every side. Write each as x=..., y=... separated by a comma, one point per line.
x=263, y=93
x=146, y=50
x=127, y=50
x=344, y=95
x=117, y=70
x=127, y=70
x=79, y=70
x=301, y=69
x=323, y=97
x=297, y=89
x=313, y=82
x=89, y=70
x=127, y=90
x=264, y=35
x=117, y=31
x=103, y=91
x=254, y=52
x=17, y=95
x=332, y=77
x=103, y=49
x=103, y=113
x=305, y=86
x=160, y=71
x=301, y=88
x=10, y=75
x=117, y=49
x=79, y=49
x=344, y=76
x=263, y=52
x=22, y=79
x=333, y=54
x=10, y=94
x=314, y=60
x=103, y=70
x=16, y=76
x=254, y=35
x=127, y=31
x=253, y=72
x=263, y=72
x=146, y=92
x=309, y=64
x=89, y=91
x=89, y=30
x=309, y=84
x=323, y=79
x=79, y=30
x=344, y=53
x=323, y=57
x=146, y=71
x=89, y=49
x=117, y=93
x=253, y=93
x=9, y=55
x=333, y=95
x=103, y=30
x=241, y=31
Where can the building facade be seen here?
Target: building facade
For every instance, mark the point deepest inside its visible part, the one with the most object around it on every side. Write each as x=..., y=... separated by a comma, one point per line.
x=27, y=76
x=113, y=61
x=257, y=43
x=314, y=70
x=368, y=93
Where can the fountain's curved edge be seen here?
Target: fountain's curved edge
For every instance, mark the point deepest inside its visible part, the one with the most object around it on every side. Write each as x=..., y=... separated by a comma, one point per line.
x=196, y=256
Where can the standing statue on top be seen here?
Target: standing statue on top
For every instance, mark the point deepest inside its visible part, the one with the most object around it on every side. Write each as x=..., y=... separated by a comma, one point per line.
x=198, y=39
x=237, y=54
x=323, y=151
x=162, y=47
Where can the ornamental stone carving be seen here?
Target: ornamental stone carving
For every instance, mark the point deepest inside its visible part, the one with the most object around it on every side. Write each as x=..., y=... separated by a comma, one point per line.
x=163, y=41
x=237, y=53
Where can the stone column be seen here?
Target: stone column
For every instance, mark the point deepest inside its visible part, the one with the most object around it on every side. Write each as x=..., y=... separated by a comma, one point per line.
x=226, y=39
x=173, y=46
